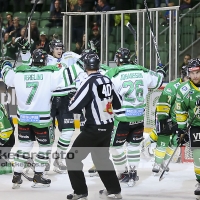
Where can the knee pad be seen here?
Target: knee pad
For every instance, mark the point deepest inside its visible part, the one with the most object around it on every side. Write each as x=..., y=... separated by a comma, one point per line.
x=25, y=146
x=133, y=146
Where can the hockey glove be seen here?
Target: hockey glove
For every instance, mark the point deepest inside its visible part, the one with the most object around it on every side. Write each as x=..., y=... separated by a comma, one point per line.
x=162, y=69
x=71, y=93
x=23, y=45
x=5, y=63
x=182, y=136
x=164, y=126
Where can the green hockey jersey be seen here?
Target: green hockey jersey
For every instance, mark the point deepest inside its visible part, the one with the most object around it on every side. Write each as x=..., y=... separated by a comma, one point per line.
x=165, y=106
x=185, y=108
x=6, y=128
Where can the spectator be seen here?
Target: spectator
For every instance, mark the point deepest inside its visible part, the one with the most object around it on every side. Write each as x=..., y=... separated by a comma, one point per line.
x=34, y=31
x=9, y=20
x=18, y=5
x=102, y=7
x=39, y=5
x=95, y=38
x=55, y=16
x=187, y=57
x=158, y=3
x=53, y=3
x=78, y=48
x=2, y=26
x=166, y=16
x=4, y=5
x=43, y=43
x=78, y=22
x=184, y=4
x=14, y=30
x=9, y=50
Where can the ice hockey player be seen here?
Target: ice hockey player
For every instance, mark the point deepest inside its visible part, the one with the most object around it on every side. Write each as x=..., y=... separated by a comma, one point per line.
x=33, y=83
x=61, y=97
x=98, y=96
x=188, y=114
x=132, y=82
x=7, y=140
x=164, y=134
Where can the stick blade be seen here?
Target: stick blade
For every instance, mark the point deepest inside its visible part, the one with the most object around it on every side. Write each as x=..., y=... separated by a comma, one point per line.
x=161, y=176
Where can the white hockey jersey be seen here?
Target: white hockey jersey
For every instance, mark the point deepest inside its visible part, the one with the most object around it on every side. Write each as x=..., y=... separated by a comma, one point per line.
x=34, y=87
x=132, y=82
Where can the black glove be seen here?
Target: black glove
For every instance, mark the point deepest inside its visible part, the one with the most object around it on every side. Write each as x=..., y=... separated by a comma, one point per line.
x=164, y=126
x=71, y=93
x=4, y=63
x=23, y=45
x=182, y=136
x=162, y=69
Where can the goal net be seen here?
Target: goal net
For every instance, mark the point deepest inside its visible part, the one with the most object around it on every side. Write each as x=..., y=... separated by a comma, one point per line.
x=149, y=122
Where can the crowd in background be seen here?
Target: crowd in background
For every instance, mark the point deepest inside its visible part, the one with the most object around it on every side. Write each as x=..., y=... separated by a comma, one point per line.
x=12, y=28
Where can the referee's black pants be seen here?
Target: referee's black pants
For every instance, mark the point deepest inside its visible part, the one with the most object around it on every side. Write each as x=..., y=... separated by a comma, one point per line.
x=94, y=139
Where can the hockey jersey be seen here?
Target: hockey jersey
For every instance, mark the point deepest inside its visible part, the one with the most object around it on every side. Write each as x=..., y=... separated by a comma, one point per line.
x=165, y=106
x=6, y=128
x=132, y=82
x=185, y=108
x=33, y=85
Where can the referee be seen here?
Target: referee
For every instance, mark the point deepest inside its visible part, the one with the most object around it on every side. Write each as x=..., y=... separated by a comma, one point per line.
x=99, y=97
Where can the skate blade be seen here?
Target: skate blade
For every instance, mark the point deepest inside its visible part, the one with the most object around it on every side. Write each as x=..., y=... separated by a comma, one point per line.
x=59, y=171
x=111, y=196
x=15, y=186
x=94, y=174
x=40, y=185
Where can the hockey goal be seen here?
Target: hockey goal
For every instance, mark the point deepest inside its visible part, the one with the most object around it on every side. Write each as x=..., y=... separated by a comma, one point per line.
x=149, y=121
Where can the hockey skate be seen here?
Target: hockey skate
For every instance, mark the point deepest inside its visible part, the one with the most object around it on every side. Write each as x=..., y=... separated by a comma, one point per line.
x=59, y=167
x=132, y=177
x=17, y=181
x=163, y=165
x=92, y=171
x=124, y=177
x=156, y=169
x=104, y=194
x=77, y=196
x=39, y=181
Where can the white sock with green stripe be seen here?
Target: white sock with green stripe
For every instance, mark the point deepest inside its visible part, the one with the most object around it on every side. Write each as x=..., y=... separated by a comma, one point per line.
x=119, y=158
x=42, y=158
x=133, y=154
x=64, y=141
x=22, y=155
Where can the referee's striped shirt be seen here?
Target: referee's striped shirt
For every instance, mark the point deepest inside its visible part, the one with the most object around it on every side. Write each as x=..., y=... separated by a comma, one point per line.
x=98, y=96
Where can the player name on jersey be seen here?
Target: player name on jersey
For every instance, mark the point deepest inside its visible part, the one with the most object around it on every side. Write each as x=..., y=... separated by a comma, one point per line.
x=33, y=77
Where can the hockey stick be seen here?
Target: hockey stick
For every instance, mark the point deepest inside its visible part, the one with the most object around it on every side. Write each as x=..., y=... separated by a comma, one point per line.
x=152, y=33
x=26, y=30
x=133, y=31
x=24, y=175
x=186, y=131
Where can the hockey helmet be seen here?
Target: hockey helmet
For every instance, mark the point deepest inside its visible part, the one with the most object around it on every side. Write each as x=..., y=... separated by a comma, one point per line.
x=123, y=55
x=193, y=64
x=55, y=43
x=91, y=62
x=39, y=57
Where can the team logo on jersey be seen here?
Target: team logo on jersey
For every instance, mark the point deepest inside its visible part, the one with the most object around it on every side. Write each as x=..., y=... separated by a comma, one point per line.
x=169, y=90
x=59, y=65
x=109, y=108
x=134, y=112
x=176, y=85
x=184, y=88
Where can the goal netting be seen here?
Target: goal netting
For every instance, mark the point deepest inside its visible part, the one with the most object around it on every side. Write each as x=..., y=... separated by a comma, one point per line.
x=149, y=122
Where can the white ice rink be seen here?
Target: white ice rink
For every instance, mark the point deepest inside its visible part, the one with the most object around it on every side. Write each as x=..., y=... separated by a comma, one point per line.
x=178, y=184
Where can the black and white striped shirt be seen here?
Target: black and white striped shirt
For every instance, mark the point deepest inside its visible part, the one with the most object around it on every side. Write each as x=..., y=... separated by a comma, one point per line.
x=98, y=96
